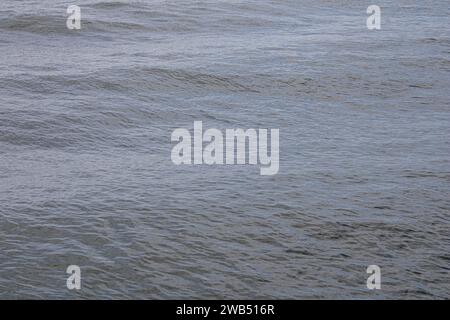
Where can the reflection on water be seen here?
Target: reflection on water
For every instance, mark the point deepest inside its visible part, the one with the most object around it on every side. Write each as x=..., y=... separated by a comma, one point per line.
x=86, y=176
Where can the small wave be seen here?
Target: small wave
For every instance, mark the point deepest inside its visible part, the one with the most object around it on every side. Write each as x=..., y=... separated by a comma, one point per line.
x=34, y=23
x=110, y=5
x=45, y=24
x=127, y=81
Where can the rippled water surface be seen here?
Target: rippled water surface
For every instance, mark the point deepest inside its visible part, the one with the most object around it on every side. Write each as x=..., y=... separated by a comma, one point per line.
x=86, y=176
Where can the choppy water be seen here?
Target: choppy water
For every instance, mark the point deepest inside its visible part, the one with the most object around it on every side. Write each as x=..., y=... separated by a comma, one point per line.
x=86, y=176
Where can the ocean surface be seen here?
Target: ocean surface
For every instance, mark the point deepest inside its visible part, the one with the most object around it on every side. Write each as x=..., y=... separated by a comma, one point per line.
x=86, y=176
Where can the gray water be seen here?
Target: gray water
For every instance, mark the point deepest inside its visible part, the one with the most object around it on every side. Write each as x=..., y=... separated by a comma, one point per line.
x=86, y=176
